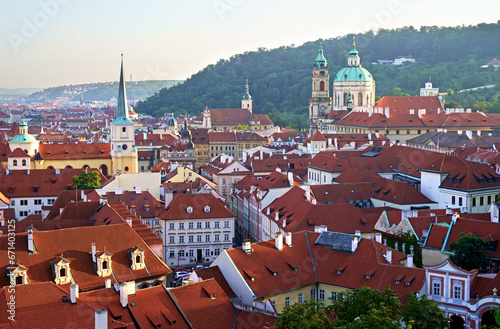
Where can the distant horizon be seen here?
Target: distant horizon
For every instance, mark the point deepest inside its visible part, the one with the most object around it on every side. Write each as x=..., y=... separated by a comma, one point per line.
x=53, y=43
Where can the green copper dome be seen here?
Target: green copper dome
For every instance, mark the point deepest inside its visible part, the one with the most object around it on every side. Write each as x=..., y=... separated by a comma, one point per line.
x=23, y=138
x=353, y=73
x=247, y=96
x=320, y=61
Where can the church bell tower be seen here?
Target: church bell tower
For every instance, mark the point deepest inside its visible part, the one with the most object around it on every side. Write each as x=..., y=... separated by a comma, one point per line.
x=320, y=102
x=123, y=151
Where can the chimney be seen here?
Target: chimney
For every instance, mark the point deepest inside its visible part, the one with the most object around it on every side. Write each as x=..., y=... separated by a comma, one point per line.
x=278, y=241
x=247, y=246
x=369, y=136
x=137, y=190
x=468, y=133
x=7, y=172
x=277, y=216
x=118, y=191
x=82, y=194
x=308, y=194
x=93, y=252
x=169, y=196
x=388, y=255
x=124, y=294
x=261, y=155
x=387, y=112
x=409, y=260
x=454, y=217
x=58, y=171
x=101, y=319
x=370, y=111
x=268, y=211
x=28, y=172
x=73, y=293
x=107, y=283
x=129, y=221
x=357, y=232
x=61, y=210
x=377, y=135
x=449, y=211
x=378, y=237
x=354, y=244
x=30, y=241
x=288, y=239
x=329, y=142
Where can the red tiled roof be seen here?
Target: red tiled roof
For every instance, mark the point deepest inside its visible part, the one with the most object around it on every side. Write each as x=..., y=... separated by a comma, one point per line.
x=75, y=151
x=368, y=256
x=177, y=209
x=38, y=182
x=40, y=305
x=18, y=153
x=317, y=137
x=215, y=273
x=76, y=245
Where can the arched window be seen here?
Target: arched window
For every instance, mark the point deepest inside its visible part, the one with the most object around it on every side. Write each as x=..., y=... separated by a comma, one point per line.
x=322, y=86
x=104, y=169
x=14, y=163
x=68, y=167
x=360, y=99
x=345, y=99
x=24, y=162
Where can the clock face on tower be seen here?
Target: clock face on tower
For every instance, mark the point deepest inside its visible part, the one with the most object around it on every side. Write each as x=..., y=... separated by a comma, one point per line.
x=124, y=147
x=322, y=72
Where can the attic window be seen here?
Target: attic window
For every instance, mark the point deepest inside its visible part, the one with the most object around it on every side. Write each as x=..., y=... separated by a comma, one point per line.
x=189, y=209
x=104, y=263
x=369, y=274
x=137, y=258
x=206, y=209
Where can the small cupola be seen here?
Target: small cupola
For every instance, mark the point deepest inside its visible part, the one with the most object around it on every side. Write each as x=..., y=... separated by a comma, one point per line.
x=103, y=263
x=18, y=274
x=137, y=258
x=60, y=266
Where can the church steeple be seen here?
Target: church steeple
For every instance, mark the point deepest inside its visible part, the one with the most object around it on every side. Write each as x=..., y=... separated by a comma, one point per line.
x=122, y=108
x=246, y=101
x=320, y=62
x=353, y=59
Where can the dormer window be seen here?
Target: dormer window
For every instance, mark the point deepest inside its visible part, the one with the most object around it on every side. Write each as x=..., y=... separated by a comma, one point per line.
x=207, y=209
x=103, y=259
x=137, y=258
x=18, y=274
x=189, y=209
x=61, y=270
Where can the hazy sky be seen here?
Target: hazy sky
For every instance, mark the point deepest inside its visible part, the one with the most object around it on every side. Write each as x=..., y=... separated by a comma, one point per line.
x=55, y=42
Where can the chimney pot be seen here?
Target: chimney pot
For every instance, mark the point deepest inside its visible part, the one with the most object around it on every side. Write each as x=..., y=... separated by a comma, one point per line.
x=288, y=239
x=101, y=319
x=354, y=244
x=378, y=237
x=409, y=260
x=74, y=293
x=107, y=283
x=278, y=241
x=30, y=240
x=388, y=255
x=123, y=294
x=94, y=251
x=247, y=246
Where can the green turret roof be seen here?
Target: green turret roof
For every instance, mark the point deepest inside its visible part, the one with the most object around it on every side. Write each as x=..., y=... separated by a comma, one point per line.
x=320, y=61
x=23, y=137
x=247, y=96
x=122, y=110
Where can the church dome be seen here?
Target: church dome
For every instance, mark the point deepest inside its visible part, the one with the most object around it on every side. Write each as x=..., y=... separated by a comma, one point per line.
x=353, y=74
x=171, y=122
x=185, y=133
x=190, y=145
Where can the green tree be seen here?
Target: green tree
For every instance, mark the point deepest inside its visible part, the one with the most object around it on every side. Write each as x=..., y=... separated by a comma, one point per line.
x=363, y=306
x=310, y=314
x=471, y=252
x=242, y=127
x=423, y=313
x=87, y=180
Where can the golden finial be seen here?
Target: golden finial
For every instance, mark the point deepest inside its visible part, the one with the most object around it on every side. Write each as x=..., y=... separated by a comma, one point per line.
x=320, y=43
x=353, y=40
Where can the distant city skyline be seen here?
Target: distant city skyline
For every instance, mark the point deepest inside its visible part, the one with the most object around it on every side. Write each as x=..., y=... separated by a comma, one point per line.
x=49, y=43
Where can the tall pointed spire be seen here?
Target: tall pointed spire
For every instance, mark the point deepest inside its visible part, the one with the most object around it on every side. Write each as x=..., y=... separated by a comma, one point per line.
x=353, y=41
x=122, y=108
x=247, y=96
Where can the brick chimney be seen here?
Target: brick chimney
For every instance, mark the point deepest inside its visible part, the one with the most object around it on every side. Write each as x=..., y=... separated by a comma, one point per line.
x=30, y=241
x=278, y=241
x=73, y=293
x=409, y=260
x=101, y=319
x=288, y=239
